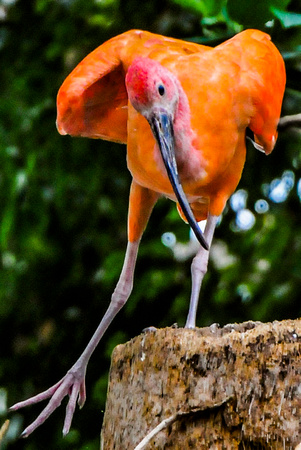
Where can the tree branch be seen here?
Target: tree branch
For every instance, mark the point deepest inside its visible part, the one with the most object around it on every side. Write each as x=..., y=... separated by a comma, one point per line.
x=3, y=430
x=293, y=120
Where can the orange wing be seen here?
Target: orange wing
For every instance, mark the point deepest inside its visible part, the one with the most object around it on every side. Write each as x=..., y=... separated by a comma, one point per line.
x=262, y=76
x=92, y=101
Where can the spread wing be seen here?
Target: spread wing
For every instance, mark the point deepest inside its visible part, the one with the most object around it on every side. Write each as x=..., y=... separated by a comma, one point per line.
x=92, y=101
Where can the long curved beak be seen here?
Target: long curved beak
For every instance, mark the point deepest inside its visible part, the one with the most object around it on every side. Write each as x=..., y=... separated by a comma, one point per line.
x=162, y=129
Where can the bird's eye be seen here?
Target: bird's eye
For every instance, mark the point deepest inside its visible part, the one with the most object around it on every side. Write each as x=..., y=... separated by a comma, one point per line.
x=161, y=89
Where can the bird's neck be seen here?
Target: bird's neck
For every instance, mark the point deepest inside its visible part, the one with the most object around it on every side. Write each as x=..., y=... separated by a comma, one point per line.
x=190, y=164
x=182, y=123
x=186, y=154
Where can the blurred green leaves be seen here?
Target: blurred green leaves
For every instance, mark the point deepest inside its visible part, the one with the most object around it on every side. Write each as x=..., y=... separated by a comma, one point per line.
x=287, y=19
x=251, y=13
x=202, y=7
x=254, y=13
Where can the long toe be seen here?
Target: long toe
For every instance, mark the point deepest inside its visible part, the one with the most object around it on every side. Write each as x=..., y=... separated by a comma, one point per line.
x=71, y=385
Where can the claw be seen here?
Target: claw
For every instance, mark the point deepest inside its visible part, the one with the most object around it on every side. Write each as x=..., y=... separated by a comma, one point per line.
x=71, y=385
x=82, y=395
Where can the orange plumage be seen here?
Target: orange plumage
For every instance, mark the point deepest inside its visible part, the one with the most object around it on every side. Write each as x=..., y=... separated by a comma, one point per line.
x=235, y=85
x=183, y=110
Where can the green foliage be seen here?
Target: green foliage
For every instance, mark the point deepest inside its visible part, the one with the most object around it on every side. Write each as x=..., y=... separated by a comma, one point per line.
x=286, y=18
x=202, y=7
x=64, y=207
x=254, y=13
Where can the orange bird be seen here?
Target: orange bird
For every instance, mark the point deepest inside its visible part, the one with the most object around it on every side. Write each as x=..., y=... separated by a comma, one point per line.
x=183, y=110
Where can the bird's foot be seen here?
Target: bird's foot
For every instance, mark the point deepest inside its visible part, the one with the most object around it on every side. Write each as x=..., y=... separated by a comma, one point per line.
x=73, y=385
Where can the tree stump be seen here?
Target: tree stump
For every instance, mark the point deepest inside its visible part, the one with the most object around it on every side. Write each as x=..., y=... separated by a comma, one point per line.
x=237, y=387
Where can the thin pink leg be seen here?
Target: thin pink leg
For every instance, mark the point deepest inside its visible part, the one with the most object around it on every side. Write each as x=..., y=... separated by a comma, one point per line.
x=198, y=271
x=73, y=383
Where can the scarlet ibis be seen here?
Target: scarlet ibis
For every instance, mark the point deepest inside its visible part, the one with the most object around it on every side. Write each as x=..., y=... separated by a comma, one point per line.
x=183, y=110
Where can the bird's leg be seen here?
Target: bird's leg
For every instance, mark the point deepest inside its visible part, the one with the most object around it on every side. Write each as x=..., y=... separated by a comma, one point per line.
x=198, y=271
x=73, y=383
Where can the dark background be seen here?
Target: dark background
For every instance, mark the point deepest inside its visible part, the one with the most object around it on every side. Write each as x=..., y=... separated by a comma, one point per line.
x=63, y=208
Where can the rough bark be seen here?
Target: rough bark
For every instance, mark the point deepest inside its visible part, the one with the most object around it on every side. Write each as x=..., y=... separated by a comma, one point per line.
x=235, y=387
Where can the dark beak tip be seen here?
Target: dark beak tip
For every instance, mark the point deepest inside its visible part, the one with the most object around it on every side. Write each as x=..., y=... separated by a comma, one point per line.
x=200, y=237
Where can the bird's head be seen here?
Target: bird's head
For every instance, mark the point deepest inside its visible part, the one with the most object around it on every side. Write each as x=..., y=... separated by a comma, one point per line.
x=152, y=88
x=155, y=93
